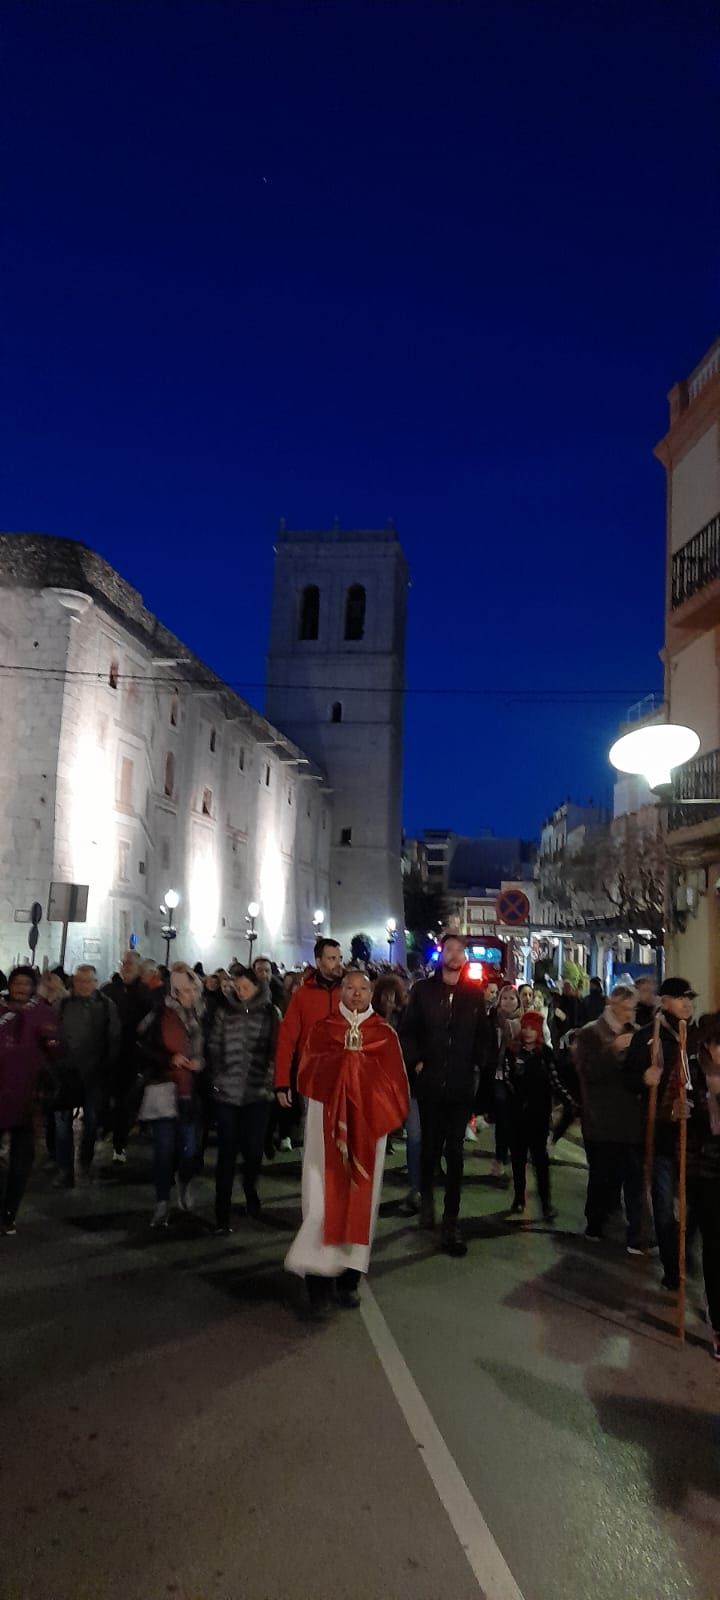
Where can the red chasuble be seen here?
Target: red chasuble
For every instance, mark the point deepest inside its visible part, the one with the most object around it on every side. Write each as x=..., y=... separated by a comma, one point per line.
x=364, y=1095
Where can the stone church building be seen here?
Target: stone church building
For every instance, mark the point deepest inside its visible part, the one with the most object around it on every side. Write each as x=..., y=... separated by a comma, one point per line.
x=129, y=767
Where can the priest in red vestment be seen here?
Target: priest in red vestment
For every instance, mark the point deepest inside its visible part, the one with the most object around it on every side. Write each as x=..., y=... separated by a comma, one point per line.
x=353, y=1076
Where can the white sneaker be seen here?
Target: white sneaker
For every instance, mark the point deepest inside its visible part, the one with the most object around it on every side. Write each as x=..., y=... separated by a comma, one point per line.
x=470, y=1135
x=119, y=1158
x=285, y=1144
x=160, y=1215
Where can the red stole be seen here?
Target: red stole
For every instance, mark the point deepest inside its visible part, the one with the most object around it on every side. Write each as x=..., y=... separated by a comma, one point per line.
x=364, y=1095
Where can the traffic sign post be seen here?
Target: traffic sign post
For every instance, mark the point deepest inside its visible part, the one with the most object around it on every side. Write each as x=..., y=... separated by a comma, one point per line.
x=35, y=920
x=512, y=908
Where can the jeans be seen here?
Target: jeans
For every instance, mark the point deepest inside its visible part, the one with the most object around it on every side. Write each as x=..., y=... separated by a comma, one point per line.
x=22, y=1151
x=442, y=1126
x=502, y=1131
x=413, y=1146
x=614, y=1169
x=94, y=1101
x=240, y=1131
x=663, y=1204
x=174, y=1146
x=529, y=1136
x=704, y=1201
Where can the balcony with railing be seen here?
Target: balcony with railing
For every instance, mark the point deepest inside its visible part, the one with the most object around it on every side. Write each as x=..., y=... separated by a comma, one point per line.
x=697, y=780
x=696, y=564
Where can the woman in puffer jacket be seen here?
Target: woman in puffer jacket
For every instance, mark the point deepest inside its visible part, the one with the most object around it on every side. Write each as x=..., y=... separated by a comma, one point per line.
x=242, y=1065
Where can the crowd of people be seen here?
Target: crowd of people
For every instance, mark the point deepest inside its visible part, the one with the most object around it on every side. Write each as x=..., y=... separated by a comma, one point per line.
x=327, y=1058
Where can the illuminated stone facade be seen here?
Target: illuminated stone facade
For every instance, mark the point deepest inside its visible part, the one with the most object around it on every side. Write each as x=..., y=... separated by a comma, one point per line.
x=128, y=766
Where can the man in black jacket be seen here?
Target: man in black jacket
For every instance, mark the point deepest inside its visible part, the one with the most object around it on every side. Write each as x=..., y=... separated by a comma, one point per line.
x=132, y=1001
x=446, y=1042
x=676, y=1006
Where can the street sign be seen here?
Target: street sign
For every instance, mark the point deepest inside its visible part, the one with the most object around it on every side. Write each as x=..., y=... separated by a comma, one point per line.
x=36, y=913
x=513, y=908
x=33, y=937
x=68, y=902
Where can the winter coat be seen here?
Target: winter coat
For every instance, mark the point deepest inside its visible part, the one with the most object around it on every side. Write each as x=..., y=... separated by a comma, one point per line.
x=592, y=1007
x=638, y=1059
x=132, y=1002
x=612, y=1108
x=26, y=1034
x=528, y=1078
x=446, y=1028
x=242, y=1049
x=89, y=1045
x=170, y=1030
x=703, y=1130
x=316, y=998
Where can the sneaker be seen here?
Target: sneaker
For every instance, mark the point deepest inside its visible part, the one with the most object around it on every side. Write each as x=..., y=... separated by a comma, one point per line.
x=64, y=1180
x=252, y=1204
x=160, y=1216
x=119, y=1158
x=411, y=1204
x=452, y=1241
x=518, y=1210
x=222, y=1229
x=593, y=1238
x=8, y=1229
x=285, y=1144
x=470, y=1134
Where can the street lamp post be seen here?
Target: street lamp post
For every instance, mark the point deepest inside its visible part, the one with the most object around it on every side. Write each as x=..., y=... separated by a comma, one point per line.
x=253, y=911
x=391, y=926
x=172, y=900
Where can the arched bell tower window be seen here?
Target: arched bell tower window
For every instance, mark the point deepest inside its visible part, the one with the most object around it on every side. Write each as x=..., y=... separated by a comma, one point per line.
x=309, y=618
x=355, y=612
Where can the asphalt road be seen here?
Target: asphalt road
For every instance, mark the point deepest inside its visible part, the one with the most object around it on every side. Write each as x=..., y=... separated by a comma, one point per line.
x=170, y=1426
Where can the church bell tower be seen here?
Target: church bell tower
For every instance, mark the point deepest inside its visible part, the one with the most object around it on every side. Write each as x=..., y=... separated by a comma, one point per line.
x=335, y=684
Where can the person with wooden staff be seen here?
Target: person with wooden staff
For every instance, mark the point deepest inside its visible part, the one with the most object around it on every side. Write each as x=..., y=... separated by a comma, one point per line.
x=703, y=1162
x=676, y=1006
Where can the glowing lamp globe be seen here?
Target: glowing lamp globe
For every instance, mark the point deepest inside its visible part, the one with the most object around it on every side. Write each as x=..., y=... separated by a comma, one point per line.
x=253, y=909
x=172, y=899
x=654, y=752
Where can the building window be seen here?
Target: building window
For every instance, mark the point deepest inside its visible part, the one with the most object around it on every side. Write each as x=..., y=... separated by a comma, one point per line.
x=169, y=775
x=126, y=783
x=174, y=711
x=309, y=618
x=114, y=673
x=346, y=835
x=142, y=869
x=289, y=795
x=241, y=758
x=213, y=740
x=336, y=711
x=267, y=774
x=123, y=860
x=355, y=612
x=207, y=801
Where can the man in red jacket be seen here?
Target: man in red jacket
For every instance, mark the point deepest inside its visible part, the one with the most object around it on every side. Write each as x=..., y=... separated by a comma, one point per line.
x=317, y=997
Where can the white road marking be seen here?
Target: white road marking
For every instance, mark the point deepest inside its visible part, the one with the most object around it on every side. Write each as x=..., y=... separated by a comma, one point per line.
x=489, y=1567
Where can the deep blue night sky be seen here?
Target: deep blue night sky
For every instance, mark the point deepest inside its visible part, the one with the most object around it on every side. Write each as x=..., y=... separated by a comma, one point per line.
x=439, y=262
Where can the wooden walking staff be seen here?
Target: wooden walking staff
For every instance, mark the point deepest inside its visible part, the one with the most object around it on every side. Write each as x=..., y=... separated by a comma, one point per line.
x=684, y=1083
x=651, y=1116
